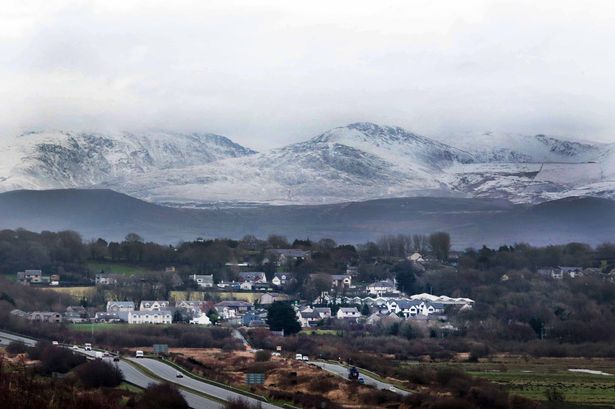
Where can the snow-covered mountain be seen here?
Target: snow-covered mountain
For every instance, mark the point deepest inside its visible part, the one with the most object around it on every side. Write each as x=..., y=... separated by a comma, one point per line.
x=58, y=159
x=356, y=162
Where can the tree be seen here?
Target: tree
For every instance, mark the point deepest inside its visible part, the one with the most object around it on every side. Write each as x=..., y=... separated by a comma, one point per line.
x=405, y=277
x=282, y=317
x=97, y=373
x=133, y=238
x=440, y=244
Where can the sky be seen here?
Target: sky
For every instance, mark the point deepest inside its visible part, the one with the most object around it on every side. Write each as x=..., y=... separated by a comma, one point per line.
x=269, y=73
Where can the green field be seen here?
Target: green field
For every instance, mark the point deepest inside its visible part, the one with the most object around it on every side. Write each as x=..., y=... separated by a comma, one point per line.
x=117, y=268
x=533, y=377
x=103, y=326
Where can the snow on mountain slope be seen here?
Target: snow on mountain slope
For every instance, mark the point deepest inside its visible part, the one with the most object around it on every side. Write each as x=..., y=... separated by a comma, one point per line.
x=54, y=159
x=516, y=148
x=351, y=163
x=355, y=162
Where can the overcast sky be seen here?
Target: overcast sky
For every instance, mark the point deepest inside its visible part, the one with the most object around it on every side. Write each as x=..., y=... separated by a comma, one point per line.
x=267, y=73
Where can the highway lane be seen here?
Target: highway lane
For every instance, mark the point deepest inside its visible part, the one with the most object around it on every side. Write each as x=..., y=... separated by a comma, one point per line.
x=8, y=338
x=169, y=373
x=342, y=371
x=131, y=374
x=135, y=376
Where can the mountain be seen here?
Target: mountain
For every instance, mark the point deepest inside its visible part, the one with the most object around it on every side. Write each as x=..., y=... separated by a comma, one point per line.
x=53, y=159
x=357, y=162
x=471, y=222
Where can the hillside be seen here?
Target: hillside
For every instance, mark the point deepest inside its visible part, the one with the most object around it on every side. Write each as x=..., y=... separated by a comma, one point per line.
x=471, y=222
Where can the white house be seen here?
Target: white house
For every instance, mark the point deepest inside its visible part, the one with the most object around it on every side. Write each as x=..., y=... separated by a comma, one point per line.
x=253, y=277
x=341, y=280
x=194, y=308
x=280, y=279
x=416, y=257
x=348, y=313
x=120, y=306
x=204, y=281
x=383, y=287
x=233, y=309
x=270, y=298
x=246, y=285
x=153, y=305
x=150, y=317
x=202, y=319
x=104, y=279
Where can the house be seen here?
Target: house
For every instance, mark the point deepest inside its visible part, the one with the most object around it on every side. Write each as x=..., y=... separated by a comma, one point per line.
x=382, y=287
x=572, y=272
x=416, y=257
x=46, y=316
x=150, y=317
x=246, y=286
x=232, y=309
x=105, y=279
x=286, y=255
x=20, y=313
x=252, y=277
x=170, y=269
x=270, y=298
x=309, y=317
x=153, y=305
x=262, y=287
x=254, y=319
x=30, y=277
x=348, y=313
x=383, y=318
x=76, y=314
x=341, y=281
x=202, y=319
x=204, y=281
x=120, y=306
x=107, y=317
x=193, y=308
x=281, y=279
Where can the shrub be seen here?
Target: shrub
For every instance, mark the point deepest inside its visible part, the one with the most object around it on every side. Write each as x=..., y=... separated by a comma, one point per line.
x=95, y=374
x=162, y=396
x=554, y=395
x=16, y=347
x=262, y=356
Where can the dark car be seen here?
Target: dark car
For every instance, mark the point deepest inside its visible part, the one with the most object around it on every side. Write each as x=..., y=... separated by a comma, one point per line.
x=116, y=359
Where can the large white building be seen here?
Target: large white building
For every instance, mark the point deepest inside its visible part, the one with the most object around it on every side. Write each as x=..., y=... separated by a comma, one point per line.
x=150, y=317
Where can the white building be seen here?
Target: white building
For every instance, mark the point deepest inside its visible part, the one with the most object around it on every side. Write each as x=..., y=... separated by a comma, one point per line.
x=153, y=305
x=150, y=317
x=204, y=281
x=383, y=287
x=202, y=319
x=345, y=313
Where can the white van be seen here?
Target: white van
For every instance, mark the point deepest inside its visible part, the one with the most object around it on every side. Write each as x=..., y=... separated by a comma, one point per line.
x=87, y=347
x=139, y=354
x=299, y=357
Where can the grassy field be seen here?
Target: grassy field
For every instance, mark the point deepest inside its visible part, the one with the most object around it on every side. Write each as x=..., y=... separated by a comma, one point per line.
x=116, y=268
x=75, y=292
x=533, y=377
x=316, y=331
x=103, y=326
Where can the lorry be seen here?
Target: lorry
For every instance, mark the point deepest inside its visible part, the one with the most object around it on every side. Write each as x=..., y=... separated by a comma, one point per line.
x=299, y=357
x=98, y=355
x=139, y=354
x=87, y=346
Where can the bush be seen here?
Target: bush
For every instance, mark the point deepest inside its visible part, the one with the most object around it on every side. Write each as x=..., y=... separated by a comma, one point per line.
x=96, y=374
x=242, y=404
x=262, y=356
x=55, y=359
x=555, y=395
x=16, y=347
x=162, y=396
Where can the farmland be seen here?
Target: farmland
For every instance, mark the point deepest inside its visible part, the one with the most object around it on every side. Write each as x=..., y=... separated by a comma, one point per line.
x=116, y=268
x=532, y=377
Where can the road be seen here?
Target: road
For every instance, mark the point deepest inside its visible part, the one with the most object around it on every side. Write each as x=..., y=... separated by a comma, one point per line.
x=169, y=373
x=131, y=374
x=342, y=371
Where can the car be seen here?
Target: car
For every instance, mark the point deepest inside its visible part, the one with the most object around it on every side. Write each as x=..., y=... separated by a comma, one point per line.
x=116, y=359
x=55, y=343
x=139, y=354
x=305, y=358
x=179, y=375
x=276, y=354
x=361, y=380
x=75, y=347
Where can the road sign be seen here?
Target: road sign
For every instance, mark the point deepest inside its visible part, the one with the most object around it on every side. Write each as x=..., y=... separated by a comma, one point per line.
x=161, y=349
x=255, y=378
